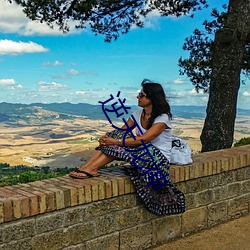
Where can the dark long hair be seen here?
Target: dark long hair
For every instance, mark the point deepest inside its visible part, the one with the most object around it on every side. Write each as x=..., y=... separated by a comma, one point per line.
x=155, y=93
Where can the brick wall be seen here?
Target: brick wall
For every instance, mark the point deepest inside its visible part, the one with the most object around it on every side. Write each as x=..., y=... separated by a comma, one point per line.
x=105, y=213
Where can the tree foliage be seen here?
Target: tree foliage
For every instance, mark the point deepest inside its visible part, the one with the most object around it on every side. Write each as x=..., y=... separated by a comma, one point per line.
x=108, y=17
x=198, y=67
x=243, y=141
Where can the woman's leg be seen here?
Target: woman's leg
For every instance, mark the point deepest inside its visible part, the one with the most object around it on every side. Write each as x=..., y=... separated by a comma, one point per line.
x=93, y=158
x=98, y=160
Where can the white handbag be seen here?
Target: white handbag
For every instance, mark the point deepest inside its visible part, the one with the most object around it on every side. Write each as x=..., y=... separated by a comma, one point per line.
x=180, y=152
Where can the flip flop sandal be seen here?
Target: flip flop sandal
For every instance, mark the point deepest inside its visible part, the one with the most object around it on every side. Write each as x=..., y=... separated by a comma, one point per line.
x=87, y=175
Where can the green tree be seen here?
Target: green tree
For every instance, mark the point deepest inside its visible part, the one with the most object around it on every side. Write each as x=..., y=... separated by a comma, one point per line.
x=108, y=17
x=112, y=18
x=199, y=68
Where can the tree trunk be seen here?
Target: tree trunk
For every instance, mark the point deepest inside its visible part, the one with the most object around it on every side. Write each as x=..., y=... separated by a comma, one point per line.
x=227, y=56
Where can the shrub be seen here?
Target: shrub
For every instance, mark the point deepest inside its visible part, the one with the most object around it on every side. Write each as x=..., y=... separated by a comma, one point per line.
x=242, y=142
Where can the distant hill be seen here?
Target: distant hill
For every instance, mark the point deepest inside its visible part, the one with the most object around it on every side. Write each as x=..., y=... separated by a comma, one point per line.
x=10, y=112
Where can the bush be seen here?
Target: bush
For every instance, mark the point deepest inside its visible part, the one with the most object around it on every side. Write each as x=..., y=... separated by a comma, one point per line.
x=21, y=174
x=242, y=142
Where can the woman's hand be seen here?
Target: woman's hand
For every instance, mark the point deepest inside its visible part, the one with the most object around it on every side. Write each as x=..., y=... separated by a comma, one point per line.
x=107, y=141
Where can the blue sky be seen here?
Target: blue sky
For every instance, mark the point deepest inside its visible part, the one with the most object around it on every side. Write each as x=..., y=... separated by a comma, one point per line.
x=38, y=64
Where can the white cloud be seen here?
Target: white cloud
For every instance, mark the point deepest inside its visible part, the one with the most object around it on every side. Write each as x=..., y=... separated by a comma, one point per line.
x=51, y=86
x=80, y=92
x=15, y=48
x=246, y=93
x=178, y=81
x=13, y=20
x=7, y=82
x=19, y=86
x=73, y=72
x=55, y=63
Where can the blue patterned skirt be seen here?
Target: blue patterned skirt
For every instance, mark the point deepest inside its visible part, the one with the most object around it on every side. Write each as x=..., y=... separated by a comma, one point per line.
x=150, y=175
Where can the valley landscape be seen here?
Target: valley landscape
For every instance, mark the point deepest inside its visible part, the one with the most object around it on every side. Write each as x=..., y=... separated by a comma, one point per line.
x=65, y=135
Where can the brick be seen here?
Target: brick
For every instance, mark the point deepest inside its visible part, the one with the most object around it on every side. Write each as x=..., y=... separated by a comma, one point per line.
x=94, y=188
x=166, y=228
x=225, y=165
x=108, y=189
x=186, y=172
x=235, y=161
x=33, y=205
x=243, y=160
x=51, y=240
x=210, y=168
x=72, y=194
x=245, y=186
x=41, y=201
x=105, y=224
x=247, y=173
x=182, y=174
x=115, y=188
x=110, y=241
x=248, y=159
x=234, y=189
x=81, y=195
x=23, y=244
x=33, y=201
x=74, y=215
x=217, y=213
x=6, y=192
x=173, y=173
x=59, y=198
x=129, y=217
x=190, y=202
x=194, y=220
x=231, y=163
x=87, y=192
x=138, y=237
x=80, y=233
x=17, y=212
x=201, y=170
x=214, y=167
x=220, y=193
x=197, y=170
x=132, y=188
x=1, y=211
x=78, y=184
x=182, y=186
x=94, y=193
x=127, y=185
x=240, y=174
x=25, y=204
x=121, y=185
x=204, y=197
x=238, y=206
x=66, y=197
x=18, y=230
x=49, y=222
x=7, y=209
x=191, y=172
x=101, y=191
x=197, y=185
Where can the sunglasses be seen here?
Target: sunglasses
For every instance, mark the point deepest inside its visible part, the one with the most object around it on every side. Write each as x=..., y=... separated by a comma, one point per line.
x=140, y=94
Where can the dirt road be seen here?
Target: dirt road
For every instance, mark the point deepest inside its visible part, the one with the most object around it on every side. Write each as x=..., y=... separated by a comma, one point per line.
x=233, y=235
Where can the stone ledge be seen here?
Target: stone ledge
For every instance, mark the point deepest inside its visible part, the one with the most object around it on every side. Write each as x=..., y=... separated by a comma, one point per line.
x=39, y=197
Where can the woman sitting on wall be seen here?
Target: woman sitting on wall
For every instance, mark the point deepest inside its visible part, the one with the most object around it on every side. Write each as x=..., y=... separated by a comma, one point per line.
x=148, y=152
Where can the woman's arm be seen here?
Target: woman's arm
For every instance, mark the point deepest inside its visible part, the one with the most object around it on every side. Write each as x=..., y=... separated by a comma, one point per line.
x=151, y=134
